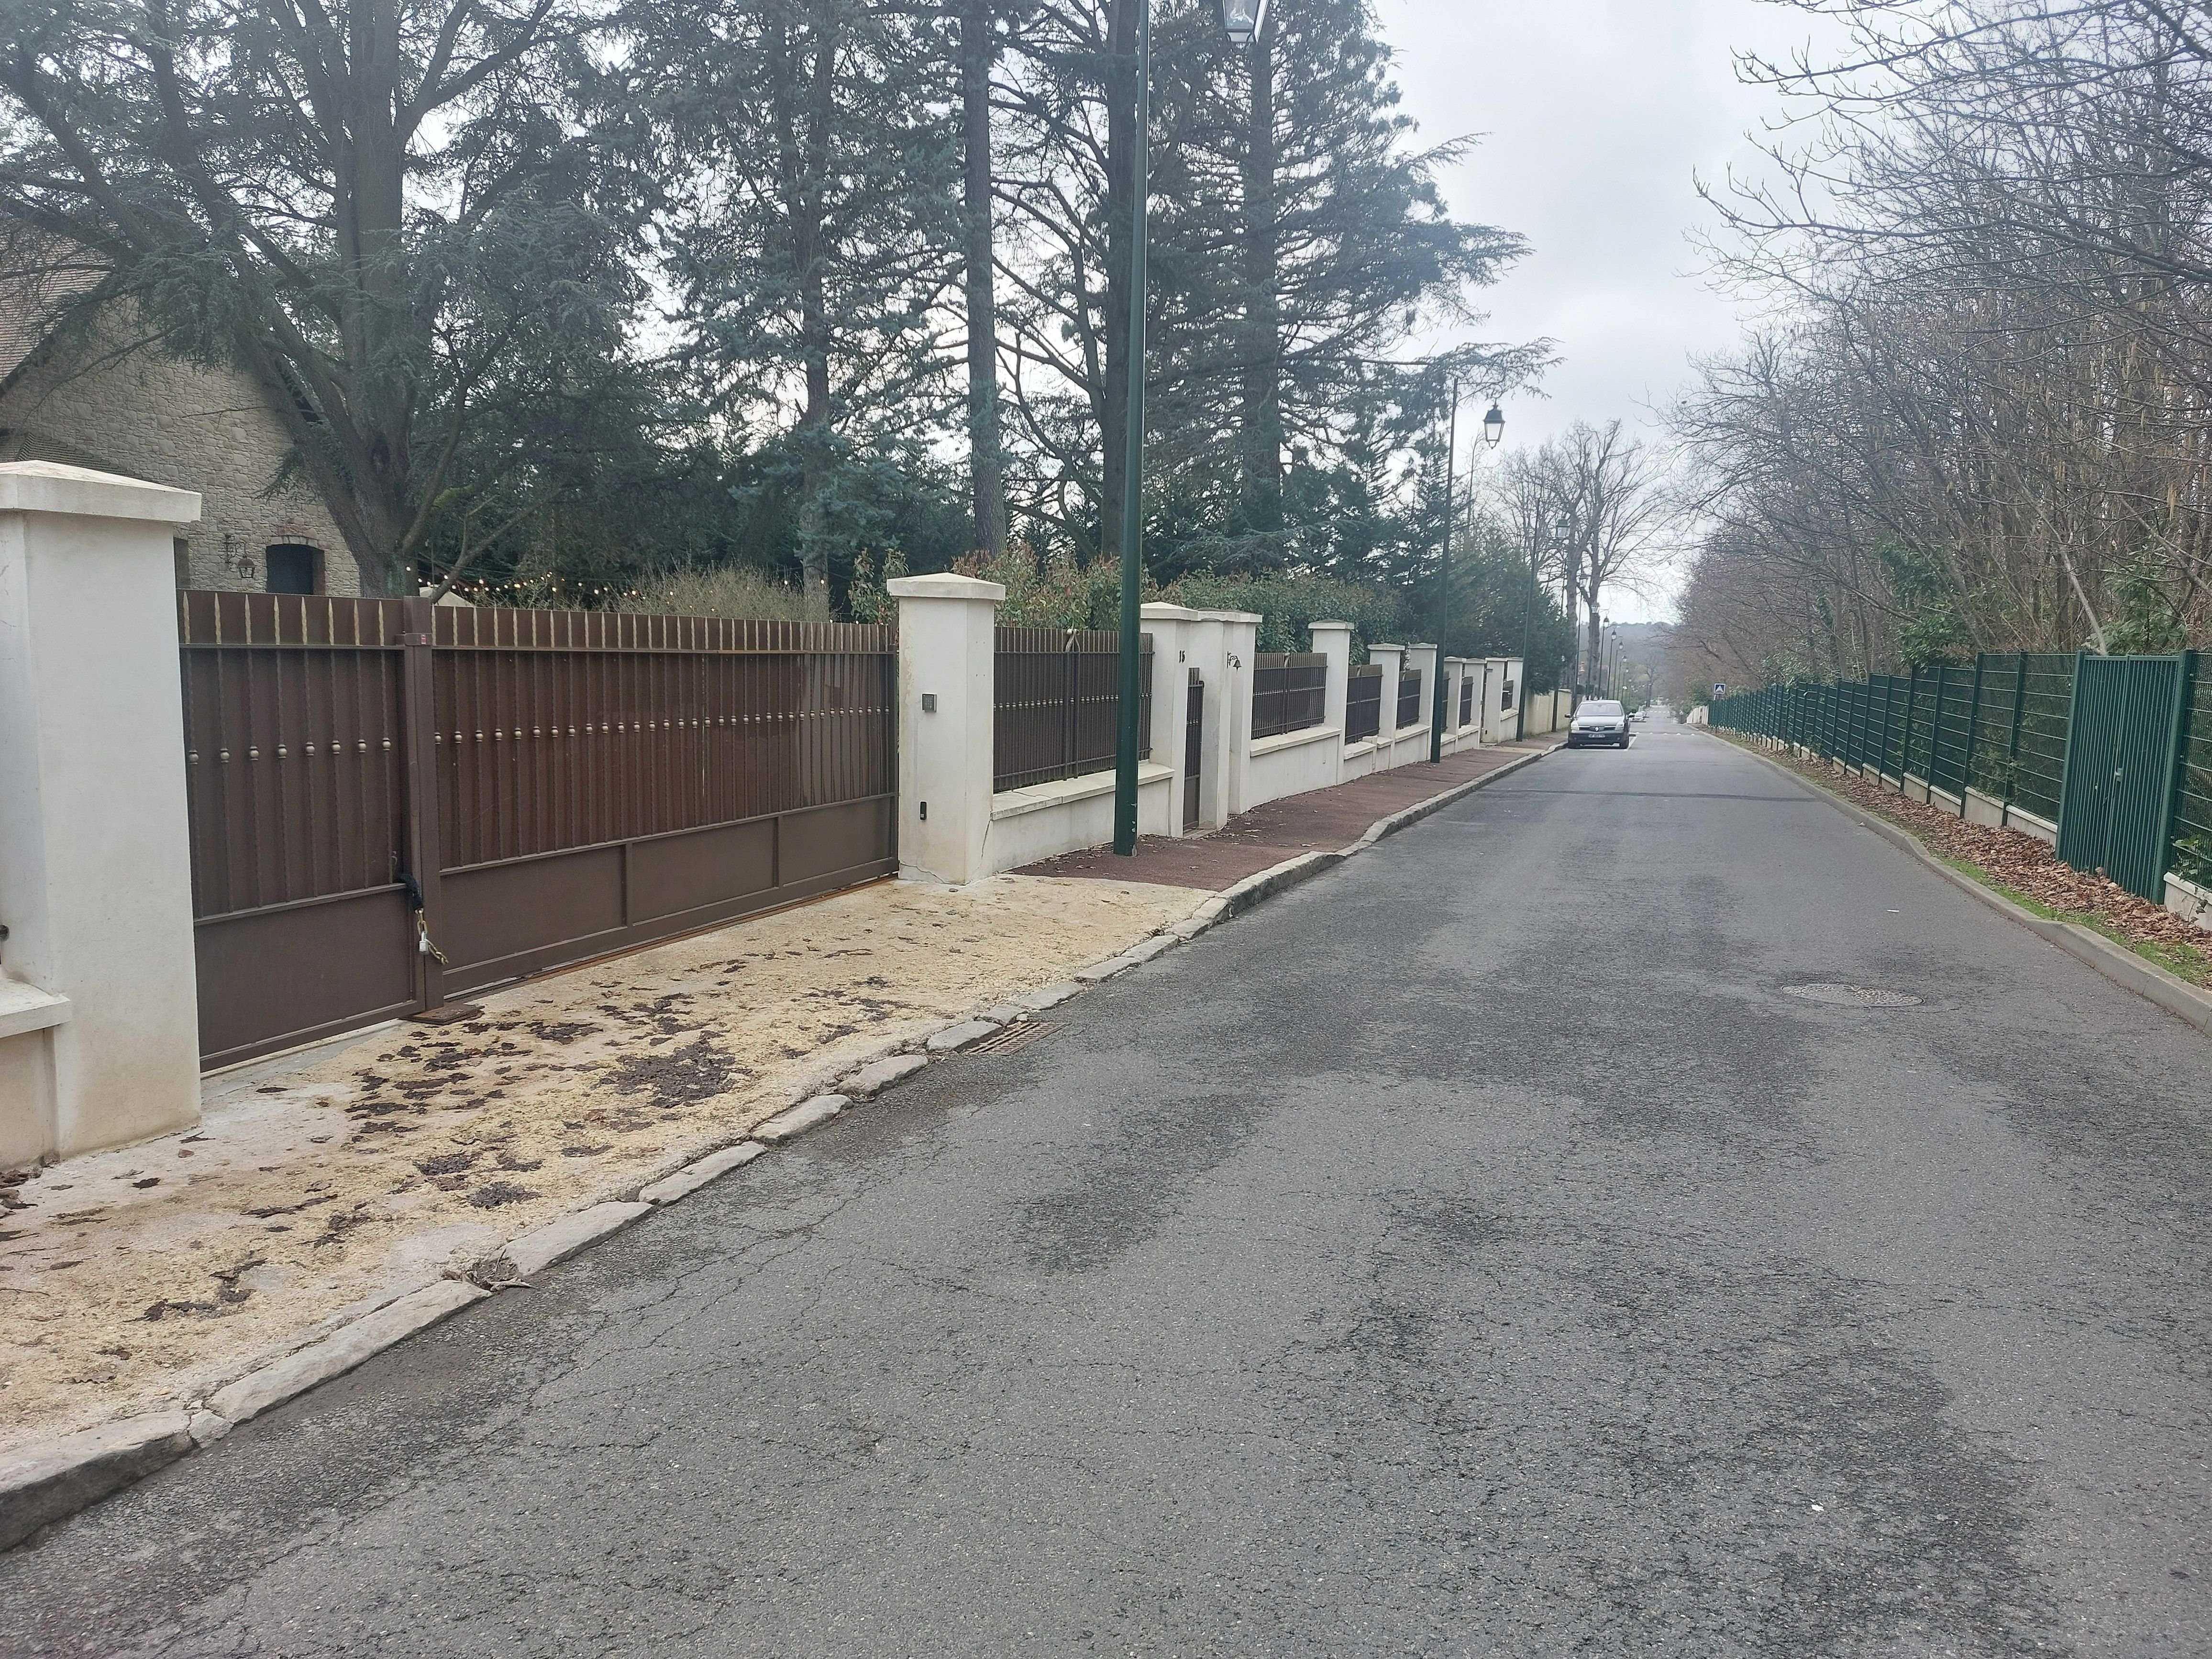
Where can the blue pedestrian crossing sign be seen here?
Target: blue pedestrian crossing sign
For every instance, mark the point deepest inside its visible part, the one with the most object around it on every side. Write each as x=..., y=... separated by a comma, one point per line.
x=1720, y=688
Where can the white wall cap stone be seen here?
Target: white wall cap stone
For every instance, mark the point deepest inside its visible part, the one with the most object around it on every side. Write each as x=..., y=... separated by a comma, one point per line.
x=1345, y=626
x=26, y=1008
x=1229, y=615
x=51, y=487
x=1063, y=791
x=1304, y=735
x=1157, y=612
x=943, y=587
x=1383, y=645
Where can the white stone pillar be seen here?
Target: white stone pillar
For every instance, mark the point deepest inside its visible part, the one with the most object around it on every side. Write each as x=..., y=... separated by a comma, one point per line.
x=1390, y=658
x=1422, y=660
x=948, y=659
x=1333, y=640
x=1240, y=638
x=1509, y=722
x=1177, y=633
x=95, y=845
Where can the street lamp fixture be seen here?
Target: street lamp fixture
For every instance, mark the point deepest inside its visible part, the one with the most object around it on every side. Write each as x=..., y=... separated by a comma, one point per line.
x=1240, y=20
x=1493, y=426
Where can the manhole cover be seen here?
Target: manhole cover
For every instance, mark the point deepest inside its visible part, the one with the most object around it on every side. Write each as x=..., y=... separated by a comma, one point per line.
x=1007, y=1038
x=1853, y=996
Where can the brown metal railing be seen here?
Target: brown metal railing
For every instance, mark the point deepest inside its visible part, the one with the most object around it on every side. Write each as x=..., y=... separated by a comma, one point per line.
x=295, y=747
x=564, y=729
x=1363, y=704
x=1409, y=699
x=1289, y=692
x=1056, y=696
x=392, y=802
x=1466, y=699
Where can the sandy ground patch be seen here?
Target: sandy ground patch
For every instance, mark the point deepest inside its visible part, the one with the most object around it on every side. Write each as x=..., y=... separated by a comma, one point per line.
x=321, y=1186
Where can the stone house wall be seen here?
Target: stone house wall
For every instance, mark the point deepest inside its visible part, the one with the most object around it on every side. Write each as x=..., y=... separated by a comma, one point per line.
x=148, y=416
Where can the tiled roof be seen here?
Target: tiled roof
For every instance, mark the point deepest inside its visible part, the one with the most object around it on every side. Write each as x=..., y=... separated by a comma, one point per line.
x=35, y=277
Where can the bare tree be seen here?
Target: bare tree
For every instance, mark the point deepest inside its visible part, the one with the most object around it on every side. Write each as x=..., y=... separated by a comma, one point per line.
x=1600, y=502
x=1982, y=421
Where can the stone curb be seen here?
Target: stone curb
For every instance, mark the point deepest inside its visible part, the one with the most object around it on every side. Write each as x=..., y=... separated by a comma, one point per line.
x=694, y=1175
x=41, y=1484
x=556, y=1240
x=367, y=1337
x=2122, y=966
x=1280, y=877
x=953, y=1038
x=795, y=1121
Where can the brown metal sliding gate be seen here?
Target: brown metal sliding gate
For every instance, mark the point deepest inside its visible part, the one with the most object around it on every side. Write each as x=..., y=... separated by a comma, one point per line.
x=524, y=789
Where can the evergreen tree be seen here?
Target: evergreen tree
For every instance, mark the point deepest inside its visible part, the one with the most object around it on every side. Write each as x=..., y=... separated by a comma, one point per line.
x=816, y=240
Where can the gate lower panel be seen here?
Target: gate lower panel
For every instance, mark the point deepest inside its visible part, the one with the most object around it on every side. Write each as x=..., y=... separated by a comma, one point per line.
x=272, y=979
x=501, y=922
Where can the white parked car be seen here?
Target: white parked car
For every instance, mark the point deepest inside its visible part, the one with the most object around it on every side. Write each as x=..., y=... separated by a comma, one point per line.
x=1599, y=721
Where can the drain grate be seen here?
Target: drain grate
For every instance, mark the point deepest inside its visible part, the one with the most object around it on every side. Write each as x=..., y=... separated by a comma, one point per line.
x=1007, y=1038
x=1853, y=996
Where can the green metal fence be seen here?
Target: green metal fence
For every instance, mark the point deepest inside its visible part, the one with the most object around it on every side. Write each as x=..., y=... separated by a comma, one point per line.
x=2192, y=814
x=2000, y=726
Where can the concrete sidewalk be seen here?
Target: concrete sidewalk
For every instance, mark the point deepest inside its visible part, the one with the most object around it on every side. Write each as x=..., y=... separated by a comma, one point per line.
x=323, y=1186
x=1320, y=821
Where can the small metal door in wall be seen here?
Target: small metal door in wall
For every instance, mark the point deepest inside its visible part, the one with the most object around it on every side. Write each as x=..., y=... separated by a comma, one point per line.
x=2123, y=743
x=1192, y=743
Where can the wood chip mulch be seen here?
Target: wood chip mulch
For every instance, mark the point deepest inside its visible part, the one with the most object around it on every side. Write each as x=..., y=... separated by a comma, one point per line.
x=2013, y=861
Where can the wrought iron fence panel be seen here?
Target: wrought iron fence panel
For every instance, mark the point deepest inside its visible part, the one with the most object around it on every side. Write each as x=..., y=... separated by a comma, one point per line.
x=1363, y=704
x=1057, y=697
x=1290, y=692
x=1409, y=699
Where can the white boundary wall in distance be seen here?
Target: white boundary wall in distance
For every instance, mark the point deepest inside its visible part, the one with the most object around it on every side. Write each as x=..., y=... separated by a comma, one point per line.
x=953, y=827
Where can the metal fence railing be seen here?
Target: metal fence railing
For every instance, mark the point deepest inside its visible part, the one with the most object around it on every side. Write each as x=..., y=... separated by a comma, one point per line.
x=1363, y=704
x=1057, y=697
x=392, y=803
x=1289, y=693
x=1467, y=700
x=1410, y=706
x=2004, y=726
x=2192, y=817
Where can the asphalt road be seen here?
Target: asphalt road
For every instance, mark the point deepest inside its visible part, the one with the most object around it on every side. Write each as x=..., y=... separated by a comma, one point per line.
x=1477, y=1250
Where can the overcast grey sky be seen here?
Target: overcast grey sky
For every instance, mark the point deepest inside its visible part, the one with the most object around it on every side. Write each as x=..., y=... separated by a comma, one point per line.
x=1596, y=115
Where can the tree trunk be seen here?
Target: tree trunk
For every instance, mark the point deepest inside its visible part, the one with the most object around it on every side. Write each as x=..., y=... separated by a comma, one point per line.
x=1261, y=414
x=1121, y=199
x=376, y=312
x=986, y=461
x=803, y=114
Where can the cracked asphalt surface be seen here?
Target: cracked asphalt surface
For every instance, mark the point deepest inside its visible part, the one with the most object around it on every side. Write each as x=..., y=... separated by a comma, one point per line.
x=1474, y=1251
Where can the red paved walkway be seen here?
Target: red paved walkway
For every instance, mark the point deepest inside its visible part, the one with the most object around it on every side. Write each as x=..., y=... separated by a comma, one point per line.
x=1319, y=820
